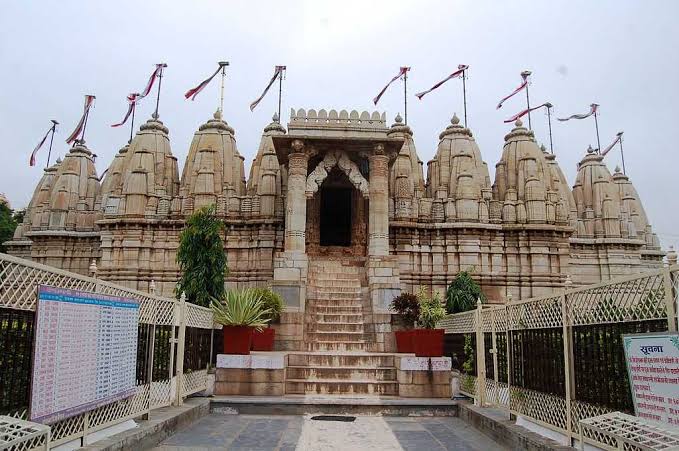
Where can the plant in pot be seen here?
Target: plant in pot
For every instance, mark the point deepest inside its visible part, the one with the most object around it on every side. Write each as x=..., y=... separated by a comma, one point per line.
x=428, y=339
x=408, y=307
x=240, y=312
x=262, y=340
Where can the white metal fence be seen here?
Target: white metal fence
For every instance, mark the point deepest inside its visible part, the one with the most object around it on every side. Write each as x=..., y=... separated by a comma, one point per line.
x=557, y=359
x=18, y=281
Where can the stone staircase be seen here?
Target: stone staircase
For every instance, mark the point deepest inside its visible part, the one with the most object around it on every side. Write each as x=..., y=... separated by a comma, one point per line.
x=337, y=358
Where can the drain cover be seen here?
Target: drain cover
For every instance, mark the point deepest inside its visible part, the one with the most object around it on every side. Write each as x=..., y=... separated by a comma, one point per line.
x=333, y=418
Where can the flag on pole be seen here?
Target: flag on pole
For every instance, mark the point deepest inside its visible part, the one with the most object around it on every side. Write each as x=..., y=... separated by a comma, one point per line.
x=402, y=71
x=152, y=80
x=517, y=90
x=89, y=99
x=592, y=109
x=277, y=73
x=460, y=70
x=41, y=143
x=195, y=91
x=132, y=100
x=524, y=112
x=616, y=141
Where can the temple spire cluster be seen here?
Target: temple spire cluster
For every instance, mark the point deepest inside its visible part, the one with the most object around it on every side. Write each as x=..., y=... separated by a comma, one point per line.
x=522, y=233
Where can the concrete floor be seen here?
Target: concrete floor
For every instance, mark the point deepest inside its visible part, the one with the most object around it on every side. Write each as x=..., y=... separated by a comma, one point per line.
x=300, y=433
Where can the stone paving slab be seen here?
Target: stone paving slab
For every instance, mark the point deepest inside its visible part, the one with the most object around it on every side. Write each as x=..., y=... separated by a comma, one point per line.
x=300, y=433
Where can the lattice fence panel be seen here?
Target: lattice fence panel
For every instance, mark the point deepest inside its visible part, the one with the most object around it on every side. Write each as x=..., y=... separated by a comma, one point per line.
x=632, y=299
x=197, y=316
x=459, y=323
x=468, y=385
x=542, y=407
x=582, y=410
x=535, y=313
x=497, y=393
x=194, y=382
x=161, y=394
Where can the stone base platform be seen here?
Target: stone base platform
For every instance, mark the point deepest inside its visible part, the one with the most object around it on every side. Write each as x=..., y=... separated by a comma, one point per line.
x=355, y=374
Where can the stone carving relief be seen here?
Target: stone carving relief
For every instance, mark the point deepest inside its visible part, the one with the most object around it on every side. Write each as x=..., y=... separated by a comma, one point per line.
x=341, y=160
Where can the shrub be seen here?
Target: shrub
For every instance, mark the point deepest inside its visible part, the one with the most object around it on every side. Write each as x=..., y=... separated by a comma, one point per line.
x=241, y=308
x=201, y=258
x=272, y=301
x=431, y=310
x=408, y=306
x=462, y=294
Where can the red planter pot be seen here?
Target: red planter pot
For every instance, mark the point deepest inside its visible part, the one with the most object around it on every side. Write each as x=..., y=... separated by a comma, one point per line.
x=429, y=342
x=263, y=340
x=405, y=341
x=237, y=339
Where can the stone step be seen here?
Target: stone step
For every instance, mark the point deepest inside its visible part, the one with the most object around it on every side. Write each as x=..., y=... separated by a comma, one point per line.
x=335, y=327
x=316, y=275
x=341, y=387
x=338, y=318
x=336, y=283
x=336, y=302
x=335, y=309
x=337, y=337
x=309, y=373
x=363, y=360
x=360, y=346
x=334, y=290
x=318, y=296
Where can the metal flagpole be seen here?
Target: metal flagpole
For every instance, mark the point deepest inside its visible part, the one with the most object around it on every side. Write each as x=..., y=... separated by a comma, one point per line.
x=160, y=82
x=525, y=74
x=622, y=154
x=221, y=92
x=464, y=95
x=134, y=107
x=54, y=129
x=405, y=96
x=549, y=122
x=280, y=93
x=598, y=141
x=82, y=137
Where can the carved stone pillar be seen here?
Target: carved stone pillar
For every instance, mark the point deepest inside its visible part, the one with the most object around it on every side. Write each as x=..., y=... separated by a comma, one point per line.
x=295, y=213
x=378, y=225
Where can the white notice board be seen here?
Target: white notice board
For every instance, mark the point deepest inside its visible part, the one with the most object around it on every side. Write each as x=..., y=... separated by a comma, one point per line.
x=85, y=352
x=653, y=370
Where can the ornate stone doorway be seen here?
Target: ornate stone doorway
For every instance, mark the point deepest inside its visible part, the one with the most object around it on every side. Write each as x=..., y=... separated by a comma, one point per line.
x=335, y=220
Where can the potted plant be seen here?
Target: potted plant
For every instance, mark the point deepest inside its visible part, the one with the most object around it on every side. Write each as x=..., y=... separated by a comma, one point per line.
x=408, y=307
x=240, y=312
x=428, y=340
x=262, y=340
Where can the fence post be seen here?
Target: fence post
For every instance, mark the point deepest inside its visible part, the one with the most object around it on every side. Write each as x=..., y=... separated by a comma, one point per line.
x=180, y=350
x=670, y=291
x=151, y=345
x=480, y=357
x=496, y=388
x=508, y=355
x=569, y=373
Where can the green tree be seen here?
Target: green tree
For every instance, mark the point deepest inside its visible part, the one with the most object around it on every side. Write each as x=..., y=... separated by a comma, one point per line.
x=201, y=258
x=8, y=224
x=462, y=293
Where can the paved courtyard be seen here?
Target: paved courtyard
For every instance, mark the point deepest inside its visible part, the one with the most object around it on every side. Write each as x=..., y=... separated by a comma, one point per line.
x=289, y=433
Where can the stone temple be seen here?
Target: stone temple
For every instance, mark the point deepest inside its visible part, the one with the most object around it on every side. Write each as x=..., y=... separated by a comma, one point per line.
x=338, y=217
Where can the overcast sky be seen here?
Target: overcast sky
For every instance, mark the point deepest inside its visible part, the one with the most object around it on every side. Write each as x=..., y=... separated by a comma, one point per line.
x=621, y=54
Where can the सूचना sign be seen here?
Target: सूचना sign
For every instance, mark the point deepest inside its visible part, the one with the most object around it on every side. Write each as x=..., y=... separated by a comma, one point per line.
x=653, y=369
x=85, y=352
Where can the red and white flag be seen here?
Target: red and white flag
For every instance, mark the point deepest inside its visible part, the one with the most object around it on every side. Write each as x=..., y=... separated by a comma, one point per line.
x=152, y=80
x=524, y=112
x=132, y=100
x=517, y=90
x=402, y=71
x=195, y=91
x=460, y=70
x=89, y=100
x=618, y=138
x=42, y=142
x=277, y=73
x=592, y=109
